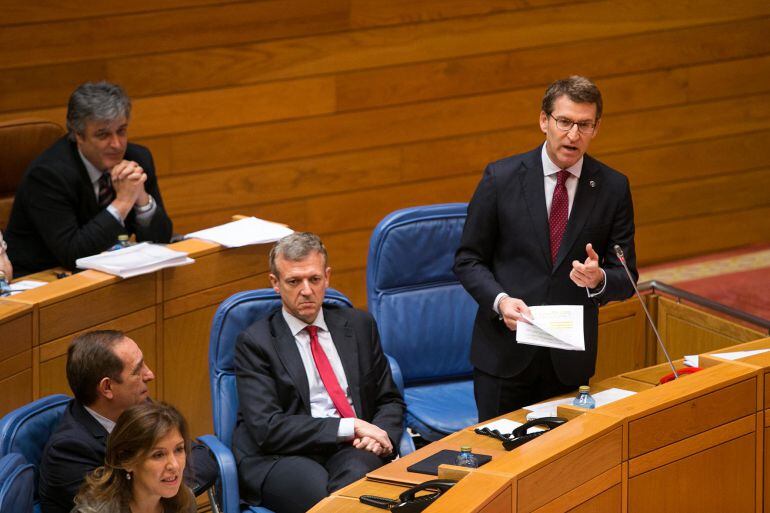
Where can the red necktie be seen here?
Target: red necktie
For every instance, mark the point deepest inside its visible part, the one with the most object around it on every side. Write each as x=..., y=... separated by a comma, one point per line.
x=106, y=191
x=557, y=221
x=327, y=375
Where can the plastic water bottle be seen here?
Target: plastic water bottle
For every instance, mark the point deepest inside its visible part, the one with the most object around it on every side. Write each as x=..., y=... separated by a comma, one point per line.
x=5, y=289
x=584, y=399
x=123, y=242
x=466, y=458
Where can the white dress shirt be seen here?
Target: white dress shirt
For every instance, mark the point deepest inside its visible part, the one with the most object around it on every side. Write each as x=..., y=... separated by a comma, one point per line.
x=550, y=174
x=101, y=419
x=321, y=405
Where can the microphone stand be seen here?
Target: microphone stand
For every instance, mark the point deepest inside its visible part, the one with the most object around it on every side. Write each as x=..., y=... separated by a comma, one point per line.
x=622, y=258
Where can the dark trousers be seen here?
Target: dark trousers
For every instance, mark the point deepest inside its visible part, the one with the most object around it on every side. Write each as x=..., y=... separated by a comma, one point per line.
x=496, y=396
x=297, y=483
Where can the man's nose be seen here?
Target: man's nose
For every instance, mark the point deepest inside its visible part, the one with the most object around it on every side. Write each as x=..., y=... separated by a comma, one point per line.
x=148, y=374
x=115, y=141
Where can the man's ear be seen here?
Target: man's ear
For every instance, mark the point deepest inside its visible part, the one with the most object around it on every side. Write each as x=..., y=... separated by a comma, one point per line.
x=104, y=388
x=274, y=282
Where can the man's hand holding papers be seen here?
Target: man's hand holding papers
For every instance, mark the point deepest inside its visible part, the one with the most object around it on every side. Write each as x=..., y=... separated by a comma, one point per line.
x=556, y=326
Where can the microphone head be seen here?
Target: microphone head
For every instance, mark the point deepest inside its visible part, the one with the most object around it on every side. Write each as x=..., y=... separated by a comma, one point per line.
x=618, y=251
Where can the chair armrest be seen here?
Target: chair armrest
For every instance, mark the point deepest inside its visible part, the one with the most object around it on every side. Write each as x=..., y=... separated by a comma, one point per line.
x=395, y=370
x=228, y=473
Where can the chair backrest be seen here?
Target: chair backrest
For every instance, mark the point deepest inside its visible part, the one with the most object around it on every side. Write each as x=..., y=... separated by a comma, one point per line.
x=412, y=292
x=21, y=141
x=26, y=430
x=17, y=484
x=234, y=315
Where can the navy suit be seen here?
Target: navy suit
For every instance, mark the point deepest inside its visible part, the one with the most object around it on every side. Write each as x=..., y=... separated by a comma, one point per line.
x=505, y=248
x=78, y=446
x=55, y=217
x=274, y=419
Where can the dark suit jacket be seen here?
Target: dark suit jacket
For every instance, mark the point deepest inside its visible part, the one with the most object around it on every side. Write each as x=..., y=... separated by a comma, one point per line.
x=274, y=407
x=505, y=248
x=55, y=218
x=78, y=446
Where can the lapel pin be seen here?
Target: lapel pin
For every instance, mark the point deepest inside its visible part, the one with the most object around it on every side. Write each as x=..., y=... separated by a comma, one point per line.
x=592, y=184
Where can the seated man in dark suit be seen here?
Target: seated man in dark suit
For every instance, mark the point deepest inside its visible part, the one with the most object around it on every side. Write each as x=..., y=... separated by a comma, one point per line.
x=91, y=186
x=107, y=374
x=318, y=406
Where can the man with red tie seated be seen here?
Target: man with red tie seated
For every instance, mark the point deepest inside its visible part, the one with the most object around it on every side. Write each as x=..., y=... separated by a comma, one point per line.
x=318, y=405
x=91, y=186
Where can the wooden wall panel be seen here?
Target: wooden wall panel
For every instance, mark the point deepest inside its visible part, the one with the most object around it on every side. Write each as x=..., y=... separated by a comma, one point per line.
x=329, y=115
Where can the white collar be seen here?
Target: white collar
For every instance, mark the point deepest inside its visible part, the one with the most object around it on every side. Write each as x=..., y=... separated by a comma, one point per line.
x=549, y=168
x=297, y=325
x=93, y=173
x=101, y=419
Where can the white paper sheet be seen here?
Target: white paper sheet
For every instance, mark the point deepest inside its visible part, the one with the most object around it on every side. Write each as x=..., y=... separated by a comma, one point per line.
x=22, y=285
x=737, y=355
x=243, y=232
x=691, y=360
x=548, y=408
x=556, y=326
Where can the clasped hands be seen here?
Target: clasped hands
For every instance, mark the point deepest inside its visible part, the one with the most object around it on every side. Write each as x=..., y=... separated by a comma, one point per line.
x=585, y=274
x=369, y=437
x=128, y=180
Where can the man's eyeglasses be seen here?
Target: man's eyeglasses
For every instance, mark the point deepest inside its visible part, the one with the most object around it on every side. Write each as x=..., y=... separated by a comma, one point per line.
x=566, y=124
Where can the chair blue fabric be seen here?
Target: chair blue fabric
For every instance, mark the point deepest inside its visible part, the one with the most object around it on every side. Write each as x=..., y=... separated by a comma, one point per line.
x=17, y=484
x=26, y=430
x=424, y=315
x=234, y=315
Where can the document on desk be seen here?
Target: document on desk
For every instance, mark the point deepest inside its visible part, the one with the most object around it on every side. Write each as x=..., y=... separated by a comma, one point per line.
x=243, y=232
x=135, y=260
x=556, y=326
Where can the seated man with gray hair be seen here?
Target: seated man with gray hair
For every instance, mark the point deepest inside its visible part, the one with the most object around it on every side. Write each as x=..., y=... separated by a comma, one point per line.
x=91, y=186
x=318, y=407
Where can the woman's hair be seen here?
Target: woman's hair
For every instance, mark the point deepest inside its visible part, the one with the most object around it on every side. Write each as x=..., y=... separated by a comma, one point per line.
x=137, y=431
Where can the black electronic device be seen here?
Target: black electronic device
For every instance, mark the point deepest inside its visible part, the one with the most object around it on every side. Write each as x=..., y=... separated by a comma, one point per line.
x=409, y=501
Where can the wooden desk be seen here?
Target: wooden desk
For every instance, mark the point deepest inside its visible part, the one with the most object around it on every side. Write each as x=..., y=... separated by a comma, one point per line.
x=168, y=314
x=698, y=444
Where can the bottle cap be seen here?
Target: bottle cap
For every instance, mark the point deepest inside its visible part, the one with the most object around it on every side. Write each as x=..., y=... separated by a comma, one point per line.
x=585, y=389
x=123, y=237
x=465, y=448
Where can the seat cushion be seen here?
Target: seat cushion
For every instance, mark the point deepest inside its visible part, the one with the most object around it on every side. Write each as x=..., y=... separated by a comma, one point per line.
x=436, y=410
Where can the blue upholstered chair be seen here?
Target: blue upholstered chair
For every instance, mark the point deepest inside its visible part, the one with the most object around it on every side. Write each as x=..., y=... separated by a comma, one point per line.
x=17, y=484
x=233, y=316
x=424, y=315
x=26, y=430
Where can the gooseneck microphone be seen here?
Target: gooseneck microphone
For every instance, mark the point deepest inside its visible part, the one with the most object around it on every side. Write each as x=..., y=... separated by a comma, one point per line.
x=622, y=258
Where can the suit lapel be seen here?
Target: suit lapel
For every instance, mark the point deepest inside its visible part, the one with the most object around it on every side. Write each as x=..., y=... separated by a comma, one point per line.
x=87, y=188
x=344, y=340
x=585, y=198
x=286, y=347
x=532, y=183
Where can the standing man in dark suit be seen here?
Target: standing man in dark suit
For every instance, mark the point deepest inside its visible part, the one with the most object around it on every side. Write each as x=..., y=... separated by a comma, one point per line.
x=107, y=374
x=318, y=406
x=541, y=229
x=89, y=187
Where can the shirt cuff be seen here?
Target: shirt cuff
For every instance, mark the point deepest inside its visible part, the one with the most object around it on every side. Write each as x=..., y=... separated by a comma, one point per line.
x=114, y=211
x=600, y=291
x=144, y=214
x=496, y=303
x=345, y=430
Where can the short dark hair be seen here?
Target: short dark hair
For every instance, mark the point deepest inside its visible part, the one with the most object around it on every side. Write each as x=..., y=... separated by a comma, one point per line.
x=90, y=358
x=296, y=246
x=576, y=88
x=102, y=101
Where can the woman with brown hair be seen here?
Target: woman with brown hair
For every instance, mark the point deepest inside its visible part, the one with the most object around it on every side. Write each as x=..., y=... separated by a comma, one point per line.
x=146, y=456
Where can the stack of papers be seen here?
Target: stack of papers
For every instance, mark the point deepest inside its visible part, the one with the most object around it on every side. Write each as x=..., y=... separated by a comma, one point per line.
x=243, y=232
x=556, y=326
x=135, y=260
x=22, y=285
